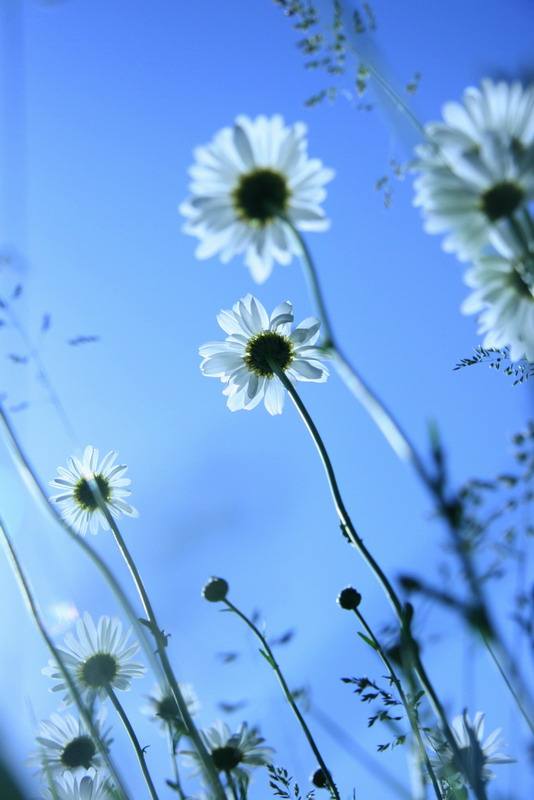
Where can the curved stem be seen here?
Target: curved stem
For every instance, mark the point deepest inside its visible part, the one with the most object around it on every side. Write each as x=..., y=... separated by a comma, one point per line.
x=423, y=755
x=268, y=653
x=135, y=742
x=34, y=612
x=515, y=694
x=346, y=523
x=409, y=645
x=382, y=417
x=161, y=642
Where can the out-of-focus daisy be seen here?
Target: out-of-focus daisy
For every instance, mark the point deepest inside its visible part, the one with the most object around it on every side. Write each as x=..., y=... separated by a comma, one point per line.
x=163, y=707
x=476, y=754
x=77, y=502
x=244, y=182
x=98, y=659
x=70, y=787
x=232, y=752
x=499, y=107
x=472, y=194
x=504, y=302
x=243, y=360
x=66, y=744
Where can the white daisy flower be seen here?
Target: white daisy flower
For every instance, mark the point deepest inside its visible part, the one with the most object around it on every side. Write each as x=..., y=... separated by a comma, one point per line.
x=244, y=181
x=231, y=751
x=474, y=193
x=479, y=169
x=77, y=502
x=66, y=744
x=100, y=657
x=504, y=302
x=476, y=753
x=163, y=708
x=70, y=787
x=243, y=360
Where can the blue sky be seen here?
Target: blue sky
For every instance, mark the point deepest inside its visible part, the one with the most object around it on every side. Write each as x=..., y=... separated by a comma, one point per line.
x=102, y=107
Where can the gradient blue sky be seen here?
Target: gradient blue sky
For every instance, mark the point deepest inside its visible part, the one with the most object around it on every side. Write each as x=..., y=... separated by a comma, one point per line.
x=103, y=104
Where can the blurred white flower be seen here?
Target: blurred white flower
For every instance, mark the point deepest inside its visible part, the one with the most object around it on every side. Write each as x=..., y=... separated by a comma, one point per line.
x=163, y=708
x=69, y=787
x=99, y=658
x=504, y=302
x=477, y=171
x=476, y=754
x=243, y=182
x=77, y=502
x=499, y=107
x=242, y=361
x=231, y=752
x=66, y=744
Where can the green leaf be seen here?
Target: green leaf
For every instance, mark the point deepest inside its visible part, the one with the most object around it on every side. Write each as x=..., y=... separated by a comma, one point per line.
x=368, y=641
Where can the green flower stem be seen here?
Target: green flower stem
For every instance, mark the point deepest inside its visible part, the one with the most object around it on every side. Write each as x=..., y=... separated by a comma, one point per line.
x=34, y=612
x=519, y=698
x=376, y=409
x=29, y=477
x=161, y=644
x=405, y=702
x=135, y=742
x=268, y=653
x=231, y=784
x=409, y=645
x=176, y=785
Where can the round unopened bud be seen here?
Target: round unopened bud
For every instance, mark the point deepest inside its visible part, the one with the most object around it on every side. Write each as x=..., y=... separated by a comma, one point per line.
x=349, y=598
x=215, y=590
x=319, y=779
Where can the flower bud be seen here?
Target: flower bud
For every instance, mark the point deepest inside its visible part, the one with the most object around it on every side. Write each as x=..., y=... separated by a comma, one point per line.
x=319, y=779
x=349, y=598
x=215, y=590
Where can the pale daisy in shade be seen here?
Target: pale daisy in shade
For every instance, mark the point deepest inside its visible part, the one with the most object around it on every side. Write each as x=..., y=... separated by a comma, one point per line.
x=66, y=744
x=504, y=302
x=71, y=787
x=476, y=753
x=164, y=709
x=98, y=657
x=255, y=341
x=232, y=753
x=245, y=181
x=77, y=502
x=477, y=170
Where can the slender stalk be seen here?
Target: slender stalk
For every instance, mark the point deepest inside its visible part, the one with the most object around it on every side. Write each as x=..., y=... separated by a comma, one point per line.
x=383, y=418
x=268, y=653
x=34, y=612
x=161, y=642
x=505, y=678
x=176, y=784
x=231, y=784
x=405, y=702
x=409, y=645
x=135, y=742
x=31, y=480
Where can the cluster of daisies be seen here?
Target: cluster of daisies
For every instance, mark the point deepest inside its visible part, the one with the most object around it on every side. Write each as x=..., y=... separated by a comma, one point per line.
x=99, y=659
x=254, y=188
x=476, y=184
